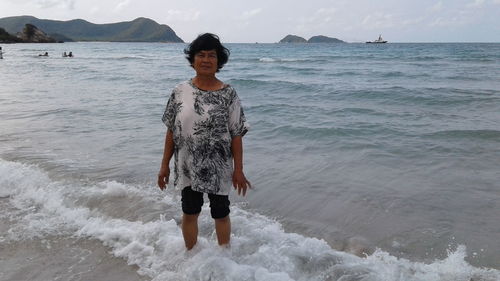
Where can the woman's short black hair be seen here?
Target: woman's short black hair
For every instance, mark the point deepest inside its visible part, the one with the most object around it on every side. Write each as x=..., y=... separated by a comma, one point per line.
x=206, y=42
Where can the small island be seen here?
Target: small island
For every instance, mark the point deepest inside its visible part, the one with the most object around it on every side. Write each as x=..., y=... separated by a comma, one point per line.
x=314, y=39
x=293, y=39
x=324, y=39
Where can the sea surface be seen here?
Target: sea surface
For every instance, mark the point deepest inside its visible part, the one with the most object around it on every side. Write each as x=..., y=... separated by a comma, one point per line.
x=369, y=162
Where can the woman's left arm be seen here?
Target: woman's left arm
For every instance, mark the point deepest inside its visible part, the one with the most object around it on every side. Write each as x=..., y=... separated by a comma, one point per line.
x=239, y=180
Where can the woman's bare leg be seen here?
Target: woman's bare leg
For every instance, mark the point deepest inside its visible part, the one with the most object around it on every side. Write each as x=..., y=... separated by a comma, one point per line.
x=223, y=230
x=190, y=230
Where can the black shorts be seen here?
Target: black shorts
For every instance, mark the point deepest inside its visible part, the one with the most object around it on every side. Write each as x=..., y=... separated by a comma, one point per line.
x=193, y=200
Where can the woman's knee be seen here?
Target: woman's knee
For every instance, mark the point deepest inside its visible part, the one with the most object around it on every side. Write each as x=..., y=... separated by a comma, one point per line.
x=222, y=220
x=190, y=218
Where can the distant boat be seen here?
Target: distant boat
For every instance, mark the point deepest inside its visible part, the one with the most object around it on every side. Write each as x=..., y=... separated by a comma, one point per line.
x=378, y=41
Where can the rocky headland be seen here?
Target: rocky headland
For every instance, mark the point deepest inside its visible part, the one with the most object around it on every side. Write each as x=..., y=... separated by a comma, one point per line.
x=6, y=37
x=29, y=34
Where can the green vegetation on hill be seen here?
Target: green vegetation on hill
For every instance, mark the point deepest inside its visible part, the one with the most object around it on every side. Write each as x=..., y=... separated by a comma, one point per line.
x=138, y=30
x=29, y=34
x=323, y=39
x=293, y=39
x=5, y=37
x=314, y=39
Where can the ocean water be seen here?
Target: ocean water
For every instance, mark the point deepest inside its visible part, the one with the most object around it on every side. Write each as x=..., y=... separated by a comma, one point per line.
x=369, y=162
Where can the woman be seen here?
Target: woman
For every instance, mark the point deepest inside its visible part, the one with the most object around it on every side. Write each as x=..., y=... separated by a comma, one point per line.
x=205, y=125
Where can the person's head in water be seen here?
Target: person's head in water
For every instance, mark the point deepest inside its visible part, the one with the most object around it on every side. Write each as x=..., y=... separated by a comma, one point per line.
x=207, y=42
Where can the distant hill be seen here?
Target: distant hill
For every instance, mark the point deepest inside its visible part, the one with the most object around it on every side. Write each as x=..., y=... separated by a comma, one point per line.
x=138, y=30
x=315, y=39
x=324, y=39
x=293, y=39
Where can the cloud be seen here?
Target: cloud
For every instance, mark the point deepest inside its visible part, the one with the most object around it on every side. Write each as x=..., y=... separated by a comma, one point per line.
x=321, y=18
x=476, y=3
x=436, y=7
x=177, y=15
x=460, y=20
x=325, y=14
x=378, y=20
x=122, y=5
x=45, y=4
x=250, y=14
x=244, y=19
x=409, y=22
x=94, y=10
x=322, y=15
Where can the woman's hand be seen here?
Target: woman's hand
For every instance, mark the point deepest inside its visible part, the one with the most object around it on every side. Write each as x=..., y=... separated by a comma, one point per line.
x=240, y=182
x=163, y=176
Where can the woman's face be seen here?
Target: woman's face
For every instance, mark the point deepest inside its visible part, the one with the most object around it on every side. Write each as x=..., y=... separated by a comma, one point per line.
x=205, y=62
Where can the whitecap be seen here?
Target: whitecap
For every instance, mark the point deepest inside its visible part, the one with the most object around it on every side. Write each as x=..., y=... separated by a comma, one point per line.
x=260, y=248
x=267, y=60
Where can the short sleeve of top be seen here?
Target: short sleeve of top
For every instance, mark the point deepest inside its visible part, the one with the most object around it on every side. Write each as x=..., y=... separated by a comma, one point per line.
x=237, y=121
x=203, y=124
x=170, y=111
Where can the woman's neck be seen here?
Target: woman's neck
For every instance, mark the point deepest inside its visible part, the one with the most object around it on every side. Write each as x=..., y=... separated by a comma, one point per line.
x=207, y=82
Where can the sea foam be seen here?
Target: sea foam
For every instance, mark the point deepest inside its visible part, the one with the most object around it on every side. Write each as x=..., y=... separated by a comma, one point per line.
x=260, y=249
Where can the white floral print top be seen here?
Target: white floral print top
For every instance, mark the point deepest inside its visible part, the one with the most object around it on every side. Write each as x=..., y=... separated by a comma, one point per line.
x=203, y=124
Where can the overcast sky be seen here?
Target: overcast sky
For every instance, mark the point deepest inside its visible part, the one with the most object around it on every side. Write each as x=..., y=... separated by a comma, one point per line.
x=270, y=20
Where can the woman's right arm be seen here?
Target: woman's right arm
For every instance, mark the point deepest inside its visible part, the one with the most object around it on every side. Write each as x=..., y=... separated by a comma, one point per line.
x=168, y=151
